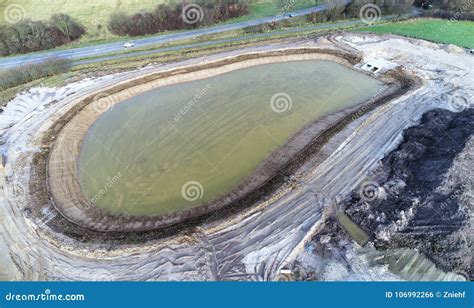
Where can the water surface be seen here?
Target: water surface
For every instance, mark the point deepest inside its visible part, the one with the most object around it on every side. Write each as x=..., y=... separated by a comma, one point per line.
x=210, y=134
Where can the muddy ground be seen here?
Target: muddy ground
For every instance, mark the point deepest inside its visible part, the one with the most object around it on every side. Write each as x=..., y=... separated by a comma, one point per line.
x=419, y=197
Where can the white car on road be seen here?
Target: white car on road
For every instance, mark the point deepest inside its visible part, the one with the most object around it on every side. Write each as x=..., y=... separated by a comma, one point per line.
x=128, y=45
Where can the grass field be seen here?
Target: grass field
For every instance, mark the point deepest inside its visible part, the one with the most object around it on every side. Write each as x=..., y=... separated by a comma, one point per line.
x=459, y=33
x=270, y=8
x=94, y=14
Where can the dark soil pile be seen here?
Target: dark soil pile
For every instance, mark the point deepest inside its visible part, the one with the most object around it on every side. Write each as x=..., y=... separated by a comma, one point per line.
x=405, y=207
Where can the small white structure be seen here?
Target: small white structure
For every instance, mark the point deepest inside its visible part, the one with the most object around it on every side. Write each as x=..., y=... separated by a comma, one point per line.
x=378, y=66
x=285, y=274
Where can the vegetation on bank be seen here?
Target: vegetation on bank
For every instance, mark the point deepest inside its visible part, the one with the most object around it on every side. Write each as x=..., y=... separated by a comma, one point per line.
x=27, y=73
x=338, y=11
x=28, y=36
x=265, y=8
x=436, y=30
x=176, y=16
x=461, y=6
x=173, y=16
x=448, y=9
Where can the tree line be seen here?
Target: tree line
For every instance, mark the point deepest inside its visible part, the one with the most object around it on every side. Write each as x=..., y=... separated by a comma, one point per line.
x=29, y=72
x=27, y=35
x=466, y=6
x=449, y=9
x=338, y=10
x=177, y=16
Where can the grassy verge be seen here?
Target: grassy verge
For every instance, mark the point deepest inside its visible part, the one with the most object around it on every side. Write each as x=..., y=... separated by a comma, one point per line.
x=27, y=73
x=436, y=30
x=177, y=55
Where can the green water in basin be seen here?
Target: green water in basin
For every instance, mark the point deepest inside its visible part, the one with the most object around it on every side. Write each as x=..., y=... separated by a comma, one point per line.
x=180, y=146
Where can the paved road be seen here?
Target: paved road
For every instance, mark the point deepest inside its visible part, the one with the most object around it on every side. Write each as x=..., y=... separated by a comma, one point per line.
x=346, y=23
x=208, y=43
x=97, y=50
